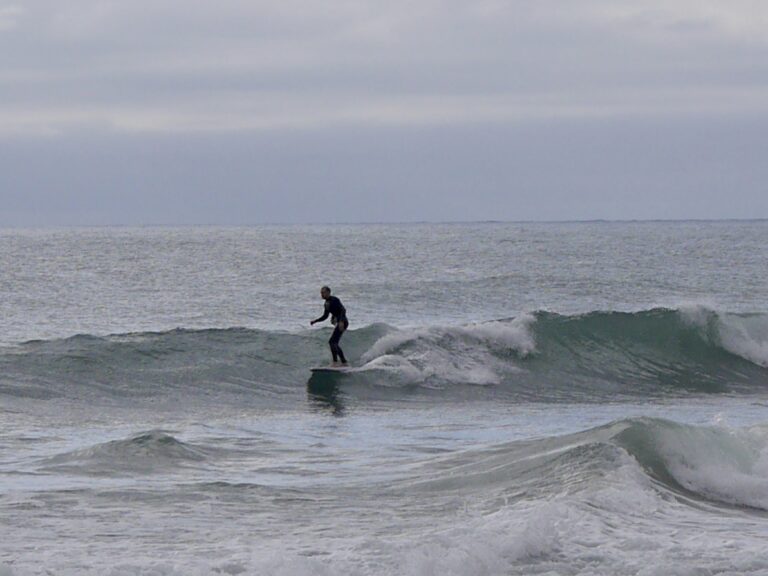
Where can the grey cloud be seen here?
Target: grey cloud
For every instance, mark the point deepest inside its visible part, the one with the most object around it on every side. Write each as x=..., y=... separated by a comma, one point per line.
x=249, y=111
x=123, y=61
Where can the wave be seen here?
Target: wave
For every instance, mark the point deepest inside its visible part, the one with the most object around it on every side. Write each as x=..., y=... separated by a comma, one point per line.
x=606, y=500
x=726, y=466
x=694, y=464
x=150, y=451
x=541, y=356
x=610, y=499
x=548, y=355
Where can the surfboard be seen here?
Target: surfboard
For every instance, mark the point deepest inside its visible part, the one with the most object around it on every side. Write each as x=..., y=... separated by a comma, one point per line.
x=321, y=369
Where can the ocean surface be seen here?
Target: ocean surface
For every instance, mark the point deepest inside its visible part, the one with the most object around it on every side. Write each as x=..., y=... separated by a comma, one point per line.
x=553, y=398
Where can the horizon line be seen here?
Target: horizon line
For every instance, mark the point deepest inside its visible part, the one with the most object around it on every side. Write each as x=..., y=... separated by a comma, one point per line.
x=381, y=223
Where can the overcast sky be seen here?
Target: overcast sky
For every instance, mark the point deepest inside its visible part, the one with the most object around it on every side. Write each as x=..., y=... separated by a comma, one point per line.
x=245, y=111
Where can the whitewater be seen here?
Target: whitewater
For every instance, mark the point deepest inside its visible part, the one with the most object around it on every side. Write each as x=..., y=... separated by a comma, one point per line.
x=525, y=398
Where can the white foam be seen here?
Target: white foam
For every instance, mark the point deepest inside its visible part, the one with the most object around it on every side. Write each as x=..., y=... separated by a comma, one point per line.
x=463, y=354
x=617, y=524
x=487, y=545
x=729, y=466
x=433, y=368
x=394, y=364
x=620, y=524
x=514, y=335
x=696, y=313
x=744, y=336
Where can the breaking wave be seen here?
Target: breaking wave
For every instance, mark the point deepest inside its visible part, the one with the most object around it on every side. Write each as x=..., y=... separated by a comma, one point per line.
x=695, y=464
x=541, y=356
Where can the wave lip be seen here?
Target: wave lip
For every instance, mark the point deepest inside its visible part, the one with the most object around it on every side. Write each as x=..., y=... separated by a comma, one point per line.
x=693, y=464
x=744, y=335
x=652, y=350
x=714, y=464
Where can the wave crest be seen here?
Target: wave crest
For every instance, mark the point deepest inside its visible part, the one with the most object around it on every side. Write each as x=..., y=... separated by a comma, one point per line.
x=540, y=357
x=695, y=464
x=150, y=451
x=728, y=466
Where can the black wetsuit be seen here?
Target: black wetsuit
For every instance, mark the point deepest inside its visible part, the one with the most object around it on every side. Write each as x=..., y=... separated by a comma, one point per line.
x=338, y=313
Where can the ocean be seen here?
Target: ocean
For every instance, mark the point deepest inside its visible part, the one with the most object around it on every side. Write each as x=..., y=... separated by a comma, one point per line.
x=525, y=398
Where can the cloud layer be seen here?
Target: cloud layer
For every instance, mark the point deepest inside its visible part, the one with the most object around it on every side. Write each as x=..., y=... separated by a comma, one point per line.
x=180, y=66
x=249, y=111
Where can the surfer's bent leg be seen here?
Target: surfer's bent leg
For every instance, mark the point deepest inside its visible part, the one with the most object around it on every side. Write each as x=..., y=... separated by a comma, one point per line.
x=334, y=343
x=336, y=351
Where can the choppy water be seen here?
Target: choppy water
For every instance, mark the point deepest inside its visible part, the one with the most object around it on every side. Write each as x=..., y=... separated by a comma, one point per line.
x=526, y=399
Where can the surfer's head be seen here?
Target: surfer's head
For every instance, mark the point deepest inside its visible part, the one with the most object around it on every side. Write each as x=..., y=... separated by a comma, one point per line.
x=325, y=292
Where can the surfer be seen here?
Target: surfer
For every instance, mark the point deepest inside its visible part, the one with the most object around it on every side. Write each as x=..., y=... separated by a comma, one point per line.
x=338, y=313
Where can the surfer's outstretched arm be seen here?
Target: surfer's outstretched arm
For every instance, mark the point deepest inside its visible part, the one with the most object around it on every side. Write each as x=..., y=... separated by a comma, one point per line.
x=322, y=318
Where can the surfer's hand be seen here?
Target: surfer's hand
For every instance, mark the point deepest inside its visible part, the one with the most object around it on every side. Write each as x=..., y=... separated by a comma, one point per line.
x=311, y=322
